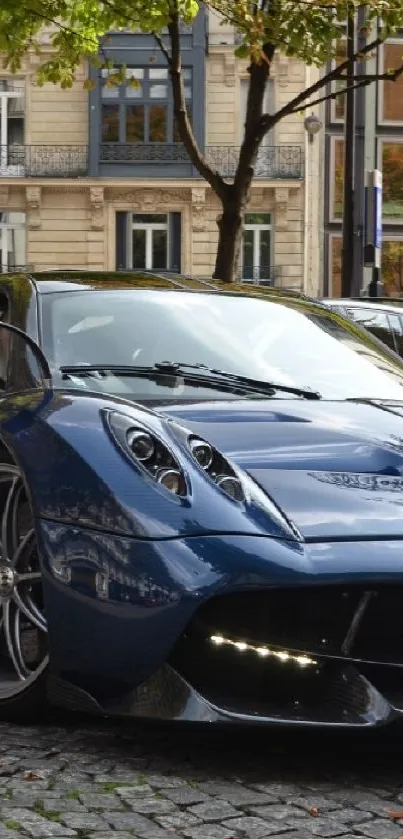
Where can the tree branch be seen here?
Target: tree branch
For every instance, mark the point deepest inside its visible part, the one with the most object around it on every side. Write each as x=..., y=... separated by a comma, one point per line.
x=330, y=96
x=163, y=48
x=270, y=120
x=363, y=82
x=259, y=75
x=216, y=181
x=389, y=76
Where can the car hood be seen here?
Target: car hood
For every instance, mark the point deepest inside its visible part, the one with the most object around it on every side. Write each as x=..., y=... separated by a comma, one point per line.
x=334, y=468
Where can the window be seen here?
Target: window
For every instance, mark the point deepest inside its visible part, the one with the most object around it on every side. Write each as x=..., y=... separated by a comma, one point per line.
x=256, y=256
x=148, y=242
x=141, y=111
x=392, y=267
x=258, y=338
x=335, y=249
x=376, y=322
x=391, y=93
x=338, y=105
x=12, y=241
x=268, y=107
x=391, y=164
x=12, y=106
x=336, y=184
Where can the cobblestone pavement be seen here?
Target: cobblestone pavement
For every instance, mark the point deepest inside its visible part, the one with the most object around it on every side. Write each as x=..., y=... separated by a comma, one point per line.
x=119, y=781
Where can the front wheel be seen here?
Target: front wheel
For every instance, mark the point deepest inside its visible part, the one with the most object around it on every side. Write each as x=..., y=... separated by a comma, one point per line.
x=23, y=630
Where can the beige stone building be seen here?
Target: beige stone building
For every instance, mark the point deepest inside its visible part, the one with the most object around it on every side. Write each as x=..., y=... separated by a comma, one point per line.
x=98, y=180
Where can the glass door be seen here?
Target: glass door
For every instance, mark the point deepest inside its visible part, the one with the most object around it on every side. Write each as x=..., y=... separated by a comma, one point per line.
x=149, y=242
x=12, y=241
x=11, y=133
x=256, y=256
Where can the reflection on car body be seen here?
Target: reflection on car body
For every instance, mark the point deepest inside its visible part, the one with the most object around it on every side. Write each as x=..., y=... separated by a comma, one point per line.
x=200, y=504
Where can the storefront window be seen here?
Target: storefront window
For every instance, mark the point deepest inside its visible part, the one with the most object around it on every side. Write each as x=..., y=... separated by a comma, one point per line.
x=392, y=170
x=339, y=104
x=335, y=266
x=392, y=267
x=337, y=177
x=391, y=99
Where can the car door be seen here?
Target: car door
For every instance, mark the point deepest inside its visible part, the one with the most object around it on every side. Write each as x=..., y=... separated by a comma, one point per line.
x=376, y=321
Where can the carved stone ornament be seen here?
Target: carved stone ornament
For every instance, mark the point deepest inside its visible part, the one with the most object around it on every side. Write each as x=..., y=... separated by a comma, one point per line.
x=130, y=198
x=281, y=205
x=97, y=208
x=151, y=200
x=148, y=200
x=33, y=198
x=198, y=209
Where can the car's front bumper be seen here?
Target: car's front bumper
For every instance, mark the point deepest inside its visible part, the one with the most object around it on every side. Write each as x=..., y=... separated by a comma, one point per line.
x=133, y=628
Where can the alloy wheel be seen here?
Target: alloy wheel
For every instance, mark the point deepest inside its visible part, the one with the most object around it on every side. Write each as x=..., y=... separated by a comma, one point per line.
x=23, y=628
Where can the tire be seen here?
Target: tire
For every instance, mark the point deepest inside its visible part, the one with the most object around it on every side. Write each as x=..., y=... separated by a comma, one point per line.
x=23, y=630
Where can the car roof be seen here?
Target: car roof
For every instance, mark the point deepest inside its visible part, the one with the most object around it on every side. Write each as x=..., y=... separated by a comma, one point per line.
x=51, y=282
x=384, y=304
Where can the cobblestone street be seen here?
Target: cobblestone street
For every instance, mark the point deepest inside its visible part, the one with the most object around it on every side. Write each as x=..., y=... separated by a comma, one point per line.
x=107, y=780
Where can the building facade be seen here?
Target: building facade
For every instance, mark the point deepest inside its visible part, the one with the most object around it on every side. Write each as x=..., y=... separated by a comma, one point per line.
x=378, y=145
x=98, y=179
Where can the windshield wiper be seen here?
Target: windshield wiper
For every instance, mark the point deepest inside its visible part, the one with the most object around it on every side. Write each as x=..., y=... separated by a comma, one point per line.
x=237, y=378
x=193, y=373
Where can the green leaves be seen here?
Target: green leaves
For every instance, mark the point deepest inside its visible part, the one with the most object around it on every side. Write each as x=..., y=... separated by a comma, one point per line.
x=306, y=29
x=242, y=51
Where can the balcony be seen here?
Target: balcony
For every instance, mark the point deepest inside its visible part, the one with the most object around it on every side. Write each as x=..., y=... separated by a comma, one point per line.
x=154, y=160
x=273, y=162
x=43, y=161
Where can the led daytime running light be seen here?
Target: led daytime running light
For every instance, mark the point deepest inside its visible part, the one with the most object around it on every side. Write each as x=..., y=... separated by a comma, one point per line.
x=263, y=652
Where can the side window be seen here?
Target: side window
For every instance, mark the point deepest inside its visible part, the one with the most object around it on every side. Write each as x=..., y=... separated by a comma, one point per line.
x=376, y=322
x=397, y=326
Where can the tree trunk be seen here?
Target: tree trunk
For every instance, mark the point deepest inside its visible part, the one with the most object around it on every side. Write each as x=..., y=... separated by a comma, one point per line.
x=230, y=226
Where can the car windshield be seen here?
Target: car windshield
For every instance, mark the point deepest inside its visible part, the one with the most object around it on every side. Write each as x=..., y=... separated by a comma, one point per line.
x=290, y=342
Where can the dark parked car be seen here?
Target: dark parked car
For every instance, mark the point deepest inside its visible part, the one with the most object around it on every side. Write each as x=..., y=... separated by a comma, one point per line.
x=201, y=504
x=383, y=318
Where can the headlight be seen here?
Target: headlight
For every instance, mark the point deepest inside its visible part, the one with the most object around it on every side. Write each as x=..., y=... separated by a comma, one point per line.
x=232, y=486
x=173, y=480
x=202, y=452
x=146, y=450
x=237, y=485
x=217, y=468
x=141, y=444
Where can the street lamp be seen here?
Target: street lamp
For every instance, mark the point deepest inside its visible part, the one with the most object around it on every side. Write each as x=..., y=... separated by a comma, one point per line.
x=312, y=125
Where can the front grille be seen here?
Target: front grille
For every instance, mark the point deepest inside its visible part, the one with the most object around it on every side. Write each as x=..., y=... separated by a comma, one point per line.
x=315, y=620
x=298, y=654
x=241, y=683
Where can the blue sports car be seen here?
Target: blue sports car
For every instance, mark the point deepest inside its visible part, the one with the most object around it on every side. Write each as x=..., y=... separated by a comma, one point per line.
x=201, y=498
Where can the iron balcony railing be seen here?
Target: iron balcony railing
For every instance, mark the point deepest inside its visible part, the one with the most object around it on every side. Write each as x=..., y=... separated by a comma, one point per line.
x=273, y=162
x=43, y=161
